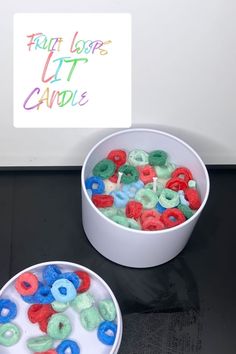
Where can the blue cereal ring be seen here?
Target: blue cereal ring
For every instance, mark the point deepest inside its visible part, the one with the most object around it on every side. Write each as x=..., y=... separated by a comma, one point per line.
x=10, y=306
x=95, y=184
x=68, y=344
x=132, y=188
x=120, y=199
x=183, y=201
x=50, y=274
x=103, y=330
x=160, y=208
x=72, y=277
x=63, y=290
x=42, y=296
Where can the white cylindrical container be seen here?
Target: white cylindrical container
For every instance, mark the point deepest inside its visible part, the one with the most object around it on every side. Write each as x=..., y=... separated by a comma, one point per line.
x=135, y=248
x=87, y=340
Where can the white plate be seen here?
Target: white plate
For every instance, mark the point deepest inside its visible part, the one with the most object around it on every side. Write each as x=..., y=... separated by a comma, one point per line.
x=87, y=341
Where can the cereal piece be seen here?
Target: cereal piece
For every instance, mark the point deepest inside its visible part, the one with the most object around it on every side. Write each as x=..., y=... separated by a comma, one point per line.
x=169, y=198
x=146, y=173
x=82, y=301
x=40, y=344
x=152, y=224
x=102, y=200
x=118, y=157
x=10, y=308
x=90, y=318
x=51, y=274
x=60, y=306
x=138, y=157
x=157, y=158
x=59, y=327
x=129, y=174
x=147, y=197
x=66, y=345
x=107, y=332
x=182, y=173
x=176, y=184
x=193, y=197
x=63, y=290
x=9, y=334
x=104, y=168
x=172, y=217
x=120, y=199
x=107, y=309
x=95, y=185
x=121, y=220
x=188, y=213
x=26, y=284
x=85, y=281
x=133, y=209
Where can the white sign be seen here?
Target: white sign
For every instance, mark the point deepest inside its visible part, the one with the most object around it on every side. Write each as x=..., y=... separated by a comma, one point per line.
x=72, y=70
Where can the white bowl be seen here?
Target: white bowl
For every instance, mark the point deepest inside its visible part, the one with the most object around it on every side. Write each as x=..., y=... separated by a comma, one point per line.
x=131, y=247
x=87, y=341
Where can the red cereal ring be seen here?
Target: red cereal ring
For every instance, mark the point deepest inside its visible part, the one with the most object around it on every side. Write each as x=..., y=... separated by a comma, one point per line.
x=149, y=214
x=27, y=284
x=193, y=197
x=183, y=173
x=114, y=178
x=176, y=184
x=102, y=200
x=172, y=217
x=133, y=209
x=152, y=224
x=85, y=281
x=39, y=312
x=119, y=157
x=43, y=325
x=146, y=173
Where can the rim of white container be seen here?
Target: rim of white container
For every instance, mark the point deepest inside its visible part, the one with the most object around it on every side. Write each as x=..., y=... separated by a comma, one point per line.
x=117, y=342
x=141, y=232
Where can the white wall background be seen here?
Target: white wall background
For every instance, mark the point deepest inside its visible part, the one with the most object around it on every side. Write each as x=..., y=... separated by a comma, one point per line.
x=184, y=79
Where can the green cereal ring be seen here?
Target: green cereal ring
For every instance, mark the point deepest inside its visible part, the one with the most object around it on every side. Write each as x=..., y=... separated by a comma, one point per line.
x=138, y=157
x=157, y=158
x=82, y=301
x=147, y=197
x=120, y=212
x=40, y=344
x=130, y=174
x=160, y=187
x=192, y=183
x=104, y=169
x=109, y=186
x=165, y=171
x=108, y=212
x=169, y=198
x=60, y=306
x=188, y=213
x=121, y=220
x=59, y=326
x=133, y=224
x=90, y=318
x=9, y=334
x=107, y=309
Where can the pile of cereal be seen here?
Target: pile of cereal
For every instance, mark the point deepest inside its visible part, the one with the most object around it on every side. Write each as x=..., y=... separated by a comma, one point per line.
x=48, y=300
x=143, y=191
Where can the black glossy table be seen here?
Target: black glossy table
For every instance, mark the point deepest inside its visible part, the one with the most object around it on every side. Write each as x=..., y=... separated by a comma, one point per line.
x=187, y=305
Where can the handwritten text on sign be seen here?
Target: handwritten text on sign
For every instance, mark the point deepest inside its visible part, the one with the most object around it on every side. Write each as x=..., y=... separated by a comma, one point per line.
x=56, y=65
x=72, y=70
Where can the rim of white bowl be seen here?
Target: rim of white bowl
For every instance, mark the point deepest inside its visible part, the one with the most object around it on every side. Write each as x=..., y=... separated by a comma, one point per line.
x=142, y=232
x=117, y=342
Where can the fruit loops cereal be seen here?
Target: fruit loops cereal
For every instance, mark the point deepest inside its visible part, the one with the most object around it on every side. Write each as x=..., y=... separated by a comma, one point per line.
x=143, y=190
x=51, y=297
